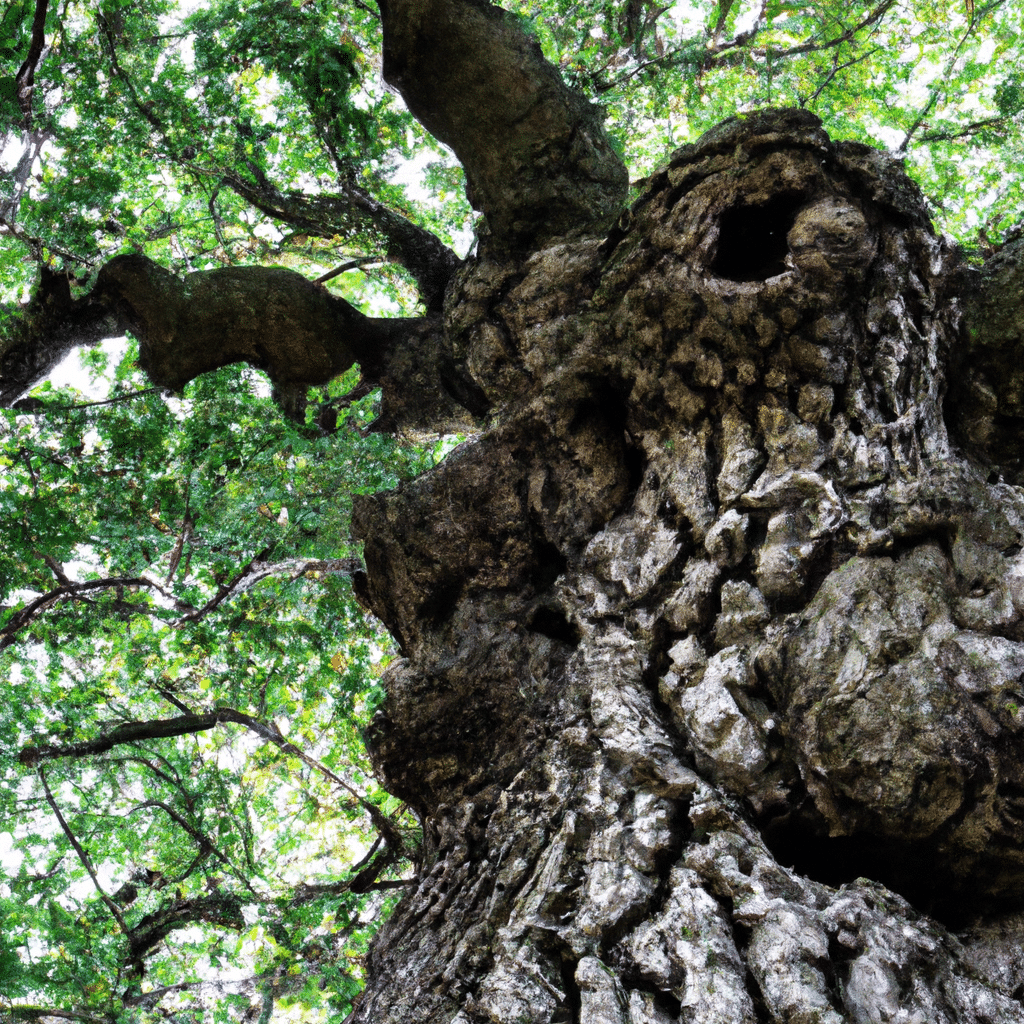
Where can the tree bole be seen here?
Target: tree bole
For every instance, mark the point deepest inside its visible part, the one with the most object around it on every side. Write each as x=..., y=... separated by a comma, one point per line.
x=709, y=701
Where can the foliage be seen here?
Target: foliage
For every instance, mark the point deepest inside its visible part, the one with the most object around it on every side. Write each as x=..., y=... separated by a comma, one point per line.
x=188, y=559
x=218, y=580
x=939, y=85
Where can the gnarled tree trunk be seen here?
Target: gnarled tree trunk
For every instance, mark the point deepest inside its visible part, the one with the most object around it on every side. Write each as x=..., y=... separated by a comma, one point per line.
x=711, y=703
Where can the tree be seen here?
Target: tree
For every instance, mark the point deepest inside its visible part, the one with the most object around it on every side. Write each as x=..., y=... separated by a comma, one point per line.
x=708, y=703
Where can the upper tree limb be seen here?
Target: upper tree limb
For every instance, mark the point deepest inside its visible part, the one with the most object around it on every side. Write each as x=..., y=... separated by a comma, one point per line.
x=538, y=162
x=328, y=215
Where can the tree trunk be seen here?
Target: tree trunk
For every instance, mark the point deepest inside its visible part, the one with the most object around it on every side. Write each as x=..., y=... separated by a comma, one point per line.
x=711, y=700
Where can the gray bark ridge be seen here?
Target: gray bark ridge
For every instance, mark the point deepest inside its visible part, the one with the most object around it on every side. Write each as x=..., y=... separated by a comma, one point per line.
x=986, y=400
x=710, y=701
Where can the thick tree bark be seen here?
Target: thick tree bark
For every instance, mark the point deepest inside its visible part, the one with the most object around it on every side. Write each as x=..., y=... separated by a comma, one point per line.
x=271, y=318
x=42, y=333
x=710, y=703
x=987, y=396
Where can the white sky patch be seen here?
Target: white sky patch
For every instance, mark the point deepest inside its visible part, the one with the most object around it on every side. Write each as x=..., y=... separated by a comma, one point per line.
x=10, y=858
x=12, y=154
x=411, y=173
x=892, y=137
x=746, y=21
x=70, y=372
x=686, y=15
x=268, y=231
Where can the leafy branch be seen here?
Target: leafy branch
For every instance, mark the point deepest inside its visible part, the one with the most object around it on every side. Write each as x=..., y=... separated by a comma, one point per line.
x=185, y=725
x=76, y=592
x=255, y=571
x=82, y=855
x=942, y=83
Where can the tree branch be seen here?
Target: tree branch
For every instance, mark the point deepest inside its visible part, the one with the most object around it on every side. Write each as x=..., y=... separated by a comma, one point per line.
x=74, y=591
x=352, y=210
x=26, y=77
x=989, y=124
x=258, y=570
x=34, y=407
x=871, y=18
x=272, y=318
x=131, y=732
x=223, y=909
x=185, y=725
x=40, y=334
x=538, y=162
x=430, y=262
x=205, y=844
x=82, y=855
x=937, y=87
x=42, y=1013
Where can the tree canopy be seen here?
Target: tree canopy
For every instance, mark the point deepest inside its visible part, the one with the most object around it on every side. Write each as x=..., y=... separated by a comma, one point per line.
x=190, y=824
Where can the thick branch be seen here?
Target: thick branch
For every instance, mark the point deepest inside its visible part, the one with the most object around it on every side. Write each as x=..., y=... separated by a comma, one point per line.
x=538, y=162
x=26, y=77
x=40, y=334
x=271, y=318
x=131, y=732
x=266, y=316
x=223, y=909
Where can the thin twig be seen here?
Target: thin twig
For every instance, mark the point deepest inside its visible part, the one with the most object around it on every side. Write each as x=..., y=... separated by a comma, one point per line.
x=937, y=87
x=82, y=855
x=836, y=68
x=86, y=405
x=135, y=732
x=970, y=129
x=205, y=844
x=351, y=265
x=74, y=592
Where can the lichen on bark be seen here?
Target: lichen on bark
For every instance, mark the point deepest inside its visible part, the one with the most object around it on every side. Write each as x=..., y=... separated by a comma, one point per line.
x=709, y=698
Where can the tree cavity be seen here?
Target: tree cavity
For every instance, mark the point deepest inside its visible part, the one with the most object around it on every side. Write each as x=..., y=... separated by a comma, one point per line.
x=752, y=243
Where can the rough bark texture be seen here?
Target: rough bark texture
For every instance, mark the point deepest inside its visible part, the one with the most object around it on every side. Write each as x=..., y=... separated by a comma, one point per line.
x=987, y=393
x=711, y=698
x=45, y=330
